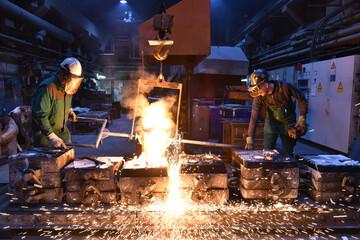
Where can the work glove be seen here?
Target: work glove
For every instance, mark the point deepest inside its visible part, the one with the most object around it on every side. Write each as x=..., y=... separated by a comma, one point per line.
x=72, y=115
x=249, y=143
x=301, y=125
x=55, y=141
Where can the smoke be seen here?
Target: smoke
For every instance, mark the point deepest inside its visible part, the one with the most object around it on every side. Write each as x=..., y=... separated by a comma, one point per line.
x=136, y=101
x=130, y=92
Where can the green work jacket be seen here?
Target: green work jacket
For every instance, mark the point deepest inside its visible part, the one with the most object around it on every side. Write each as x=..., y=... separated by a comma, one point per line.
x=51, y=112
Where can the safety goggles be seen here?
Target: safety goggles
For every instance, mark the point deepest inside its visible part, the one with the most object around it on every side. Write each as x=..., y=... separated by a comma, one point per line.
x=255, y=90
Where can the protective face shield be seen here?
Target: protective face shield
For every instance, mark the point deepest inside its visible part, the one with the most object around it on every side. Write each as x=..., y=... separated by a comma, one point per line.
x=256, y=79
x=74, y=75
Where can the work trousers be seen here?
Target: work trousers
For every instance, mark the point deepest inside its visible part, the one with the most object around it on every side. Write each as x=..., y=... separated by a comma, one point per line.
x=288, y=143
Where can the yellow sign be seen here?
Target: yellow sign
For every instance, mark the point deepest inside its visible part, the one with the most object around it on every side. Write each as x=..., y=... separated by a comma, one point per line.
x=340, y=88
x=319, y=88
x=333, y=66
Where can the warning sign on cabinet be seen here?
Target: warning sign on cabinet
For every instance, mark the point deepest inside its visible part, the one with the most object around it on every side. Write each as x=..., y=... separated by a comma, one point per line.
x=340, y=88
x=319, y=88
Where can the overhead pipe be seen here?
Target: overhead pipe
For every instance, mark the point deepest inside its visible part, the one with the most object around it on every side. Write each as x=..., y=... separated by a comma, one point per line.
x=30, y=44
x=30, y=18
x=351, y=20
x=288, y=43
x=289, y=52
x=352, y=39
x=282, y=52
x=301, y=33
x=274, y=48
x=341, y=33
x=300, y=42
x=326, y=41
x=74, y=16
x=40, y=47
x=354, y=18
x=288, y=55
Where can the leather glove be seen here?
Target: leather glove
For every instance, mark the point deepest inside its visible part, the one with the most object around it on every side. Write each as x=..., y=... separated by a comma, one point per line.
x=249, y=143
x=301, y=124
x=56, y=141
x=72, y=115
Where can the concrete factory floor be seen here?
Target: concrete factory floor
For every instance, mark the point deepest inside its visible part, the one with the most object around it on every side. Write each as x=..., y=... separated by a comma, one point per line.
x=117, y=146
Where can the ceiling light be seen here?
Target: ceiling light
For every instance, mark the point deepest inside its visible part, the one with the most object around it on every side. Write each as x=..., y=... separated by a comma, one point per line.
x=123, y=1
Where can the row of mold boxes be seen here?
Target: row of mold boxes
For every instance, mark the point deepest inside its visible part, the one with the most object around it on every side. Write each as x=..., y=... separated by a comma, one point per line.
x=53, y=176
x=42, y=175
x=273, y=175
x=201, y=179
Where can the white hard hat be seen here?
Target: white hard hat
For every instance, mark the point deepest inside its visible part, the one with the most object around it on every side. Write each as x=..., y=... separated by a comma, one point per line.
x=73, y=67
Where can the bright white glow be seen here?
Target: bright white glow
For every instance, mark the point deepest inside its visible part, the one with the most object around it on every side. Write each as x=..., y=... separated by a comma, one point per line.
x=123, y=1
x=244, y=80
x=99, y=76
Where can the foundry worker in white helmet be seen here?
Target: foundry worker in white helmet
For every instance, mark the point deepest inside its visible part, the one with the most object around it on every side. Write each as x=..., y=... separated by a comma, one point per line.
x=52, y=105
x=277, y=97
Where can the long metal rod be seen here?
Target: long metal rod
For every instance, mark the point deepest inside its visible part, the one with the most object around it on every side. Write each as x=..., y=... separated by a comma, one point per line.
x=114, y=134
x=131, y=136
x=96, y=145
x=101, y=133
x=208, y=143
x=90, y=119
x=186, y=141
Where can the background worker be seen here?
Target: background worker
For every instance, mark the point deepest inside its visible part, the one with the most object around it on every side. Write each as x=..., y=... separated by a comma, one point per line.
x=52, y=105
x=276, y=96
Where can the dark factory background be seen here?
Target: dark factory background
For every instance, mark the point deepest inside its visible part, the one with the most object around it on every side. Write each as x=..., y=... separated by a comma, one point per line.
x=162, y=140
x=217, y=44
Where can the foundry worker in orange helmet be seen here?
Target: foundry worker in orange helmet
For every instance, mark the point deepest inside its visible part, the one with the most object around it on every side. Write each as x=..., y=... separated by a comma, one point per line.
x=52, y=105
x=277, y=97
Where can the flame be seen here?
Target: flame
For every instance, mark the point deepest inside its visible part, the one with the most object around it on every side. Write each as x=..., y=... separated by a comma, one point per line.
x=155, y=128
